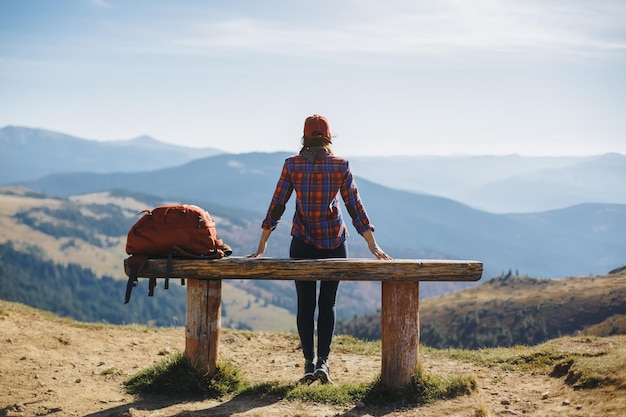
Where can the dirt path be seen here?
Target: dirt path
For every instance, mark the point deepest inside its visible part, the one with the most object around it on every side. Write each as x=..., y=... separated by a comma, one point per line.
x=49, y=367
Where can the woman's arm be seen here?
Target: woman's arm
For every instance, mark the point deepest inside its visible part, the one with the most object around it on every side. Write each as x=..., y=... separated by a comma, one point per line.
x=265, y=235
x=373, y=246
x=283, y=191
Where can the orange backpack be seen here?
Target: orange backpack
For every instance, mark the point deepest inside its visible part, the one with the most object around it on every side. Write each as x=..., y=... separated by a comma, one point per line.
x=185, y=231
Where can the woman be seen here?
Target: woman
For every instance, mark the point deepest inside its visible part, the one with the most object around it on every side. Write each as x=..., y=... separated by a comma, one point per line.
x=318, y=232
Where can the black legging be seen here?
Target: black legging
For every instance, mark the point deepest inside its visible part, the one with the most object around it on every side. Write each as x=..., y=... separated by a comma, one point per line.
x=306, y=301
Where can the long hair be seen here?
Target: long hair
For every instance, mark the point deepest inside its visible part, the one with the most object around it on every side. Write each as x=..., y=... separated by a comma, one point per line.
x=319, y=142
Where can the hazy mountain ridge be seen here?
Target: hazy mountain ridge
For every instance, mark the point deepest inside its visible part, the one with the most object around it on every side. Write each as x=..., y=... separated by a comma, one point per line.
x=27, y=154
x=497, y=184
x=505, y=184
x=600, y=179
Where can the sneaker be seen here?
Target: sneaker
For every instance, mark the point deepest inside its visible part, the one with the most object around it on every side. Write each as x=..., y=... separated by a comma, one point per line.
x=309, y=372
x=322, y=372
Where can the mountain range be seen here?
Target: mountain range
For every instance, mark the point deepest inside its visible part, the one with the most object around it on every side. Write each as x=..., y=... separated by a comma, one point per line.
x=496, y=184
x=27, y=154
x=504, y=184
x=585, y=238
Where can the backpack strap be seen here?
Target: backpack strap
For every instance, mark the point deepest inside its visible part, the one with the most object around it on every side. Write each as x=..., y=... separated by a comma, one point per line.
x=135, y=265
x=151, y=286
x=224, y=248
x=217, y=254
x=152, y=282
x=168, y=269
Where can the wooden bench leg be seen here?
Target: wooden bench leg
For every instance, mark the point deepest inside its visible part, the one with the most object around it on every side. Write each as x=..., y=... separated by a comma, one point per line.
x=399, y=332
x=202, y=324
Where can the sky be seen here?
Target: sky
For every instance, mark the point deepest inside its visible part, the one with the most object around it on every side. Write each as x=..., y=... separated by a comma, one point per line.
x=394, y=77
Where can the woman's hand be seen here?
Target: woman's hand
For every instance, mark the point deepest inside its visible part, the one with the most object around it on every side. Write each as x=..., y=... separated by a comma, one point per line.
x=373, y=246
x=257, y=254
x=379, y=253
x=265, y=235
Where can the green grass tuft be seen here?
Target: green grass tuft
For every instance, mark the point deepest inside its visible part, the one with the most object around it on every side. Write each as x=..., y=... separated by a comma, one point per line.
x=424, y=389
x=176, y=377
x=340, y=394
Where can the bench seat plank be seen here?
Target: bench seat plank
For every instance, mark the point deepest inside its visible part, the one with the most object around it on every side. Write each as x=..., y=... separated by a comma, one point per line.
x=351, y=269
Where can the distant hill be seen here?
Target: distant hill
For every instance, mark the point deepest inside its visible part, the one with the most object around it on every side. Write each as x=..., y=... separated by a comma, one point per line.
x=512, y=310
x=555, y=187
x=584, y=239
x=504, y=184
x=77, y=292
x=44, y=238
x=27, y=154
x=244, y=181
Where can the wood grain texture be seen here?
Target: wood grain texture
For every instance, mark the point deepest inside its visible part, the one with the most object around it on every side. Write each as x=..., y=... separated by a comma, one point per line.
x=203, y=323
x=351, y=269
x=400, y=332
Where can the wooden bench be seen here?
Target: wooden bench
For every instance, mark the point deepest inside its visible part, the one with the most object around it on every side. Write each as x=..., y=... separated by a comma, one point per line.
x=399, y=310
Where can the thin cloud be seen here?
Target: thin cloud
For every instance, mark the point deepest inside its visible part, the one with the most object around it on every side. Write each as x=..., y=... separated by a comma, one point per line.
x=439, y=27
x=100, y=3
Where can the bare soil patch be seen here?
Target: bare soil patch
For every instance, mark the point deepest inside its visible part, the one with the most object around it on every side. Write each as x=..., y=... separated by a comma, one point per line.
x=50, y=366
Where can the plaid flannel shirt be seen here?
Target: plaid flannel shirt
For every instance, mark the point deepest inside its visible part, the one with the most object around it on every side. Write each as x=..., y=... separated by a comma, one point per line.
x=318, y=219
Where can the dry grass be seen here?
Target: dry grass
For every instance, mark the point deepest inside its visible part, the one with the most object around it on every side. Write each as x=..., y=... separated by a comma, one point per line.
x=585, y=362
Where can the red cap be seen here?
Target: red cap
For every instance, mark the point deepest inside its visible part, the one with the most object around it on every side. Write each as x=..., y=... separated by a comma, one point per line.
x=316, y=126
